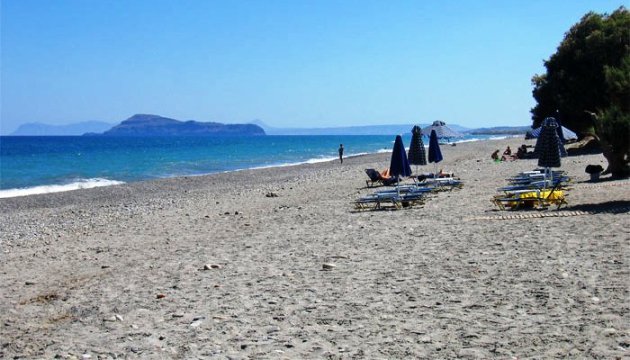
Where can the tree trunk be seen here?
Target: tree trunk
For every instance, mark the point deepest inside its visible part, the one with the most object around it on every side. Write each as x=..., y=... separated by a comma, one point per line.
x=588, y=145
x=617, y=164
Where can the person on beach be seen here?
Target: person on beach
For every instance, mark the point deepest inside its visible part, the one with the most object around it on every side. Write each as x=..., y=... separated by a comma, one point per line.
x=507, y=155
x=443, y=174
x=495, y=155
x=341, y=153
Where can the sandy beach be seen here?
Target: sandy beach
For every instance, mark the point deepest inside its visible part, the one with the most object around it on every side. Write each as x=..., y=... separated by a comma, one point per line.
x=231, y=266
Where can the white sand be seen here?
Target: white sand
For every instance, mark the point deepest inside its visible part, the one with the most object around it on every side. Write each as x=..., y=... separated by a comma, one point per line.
x=81, y=271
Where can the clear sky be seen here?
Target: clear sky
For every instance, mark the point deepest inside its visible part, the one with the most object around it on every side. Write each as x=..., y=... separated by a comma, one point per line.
x=291, y=63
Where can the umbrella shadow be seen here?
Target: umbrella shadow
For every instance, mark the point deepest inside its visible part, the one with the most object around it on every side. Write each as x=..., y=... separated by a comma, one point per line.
x=600, y=180
x=610, y=207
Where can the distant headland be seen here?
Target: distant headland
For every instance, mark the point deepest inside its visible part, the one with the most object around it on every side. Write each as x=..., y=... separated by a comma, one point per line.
x=155, y=125
x=40, y=129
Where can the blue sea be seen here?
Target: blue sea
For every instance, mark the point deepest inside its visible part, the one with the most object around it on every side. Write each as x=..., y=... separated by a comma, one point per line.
x=42, y=164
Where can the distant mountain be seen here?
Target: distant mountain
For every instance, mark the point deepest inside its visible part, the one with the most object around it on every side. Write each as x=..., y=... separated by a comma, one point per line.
x=39, y=129
x=344, y=130
x=500, y=130
x=348, y=130
x=458, y=128
x=155, y=125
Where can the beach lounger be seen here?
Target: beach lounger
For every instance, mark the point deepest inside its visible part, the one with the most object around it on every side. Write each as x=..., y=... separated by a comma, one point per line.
x=532, y=200
x=442, y=184
x=377, y=178
x=531, y=176
x=398, y=201
x=410, y=188
x=560, y=183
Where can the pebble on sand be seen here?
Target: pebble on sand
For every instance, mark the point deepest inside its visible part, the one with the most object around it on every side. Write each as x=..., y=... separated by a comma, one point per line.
x=196, y=323
x=113, y=318
x=609, y=331
x=211, y=266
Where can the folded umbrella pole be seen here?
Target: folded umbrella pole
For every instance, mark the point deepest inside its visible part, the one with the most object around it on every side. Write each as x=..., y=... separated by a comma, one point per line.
x=399, y=164
x=435, y=154
x=417, y=155
x=549, y=147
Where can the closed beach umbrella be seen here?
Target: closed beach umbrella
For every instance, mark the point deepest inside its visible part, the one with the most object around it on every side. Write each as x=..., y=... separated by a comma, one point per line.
x=435, y=154
x=548, y=146
x=417, y=155
x=442, y=131
x=399, y=165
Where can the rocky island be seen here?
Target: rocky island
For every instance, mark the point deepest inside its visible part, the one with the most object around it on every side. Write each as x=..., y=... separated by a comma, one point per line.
x=155, y=125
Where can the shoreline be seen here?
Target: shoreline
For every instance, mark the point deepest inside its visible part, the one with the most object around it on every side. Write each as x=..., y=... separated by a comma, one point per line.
x=120, y=271
x=101, y=182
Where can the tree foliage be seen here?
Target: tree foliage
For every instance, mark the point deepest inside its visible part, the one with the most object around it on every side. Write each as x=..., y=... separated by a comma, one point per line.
x=590, y=75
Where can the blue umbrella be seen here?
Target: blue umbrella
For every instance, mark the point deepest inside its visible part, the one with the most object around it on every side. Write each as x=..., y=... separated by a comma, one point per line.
x=435, y=154
x=564, y=133
x=399, y=165
x=563, y=151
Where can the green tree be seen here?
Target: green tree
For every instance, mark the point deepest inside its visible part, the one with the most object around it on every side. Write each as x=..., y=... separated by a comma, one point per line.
x=587, y=84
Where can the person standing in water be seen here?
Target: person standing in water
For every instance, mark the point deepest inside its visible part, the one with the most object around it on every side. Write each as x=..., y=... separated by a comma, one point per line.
x=341, y=153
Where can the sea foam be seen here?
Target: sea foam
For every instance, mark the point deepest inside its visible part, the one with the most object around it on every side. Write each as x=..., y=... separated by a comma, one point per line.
x=45, y=189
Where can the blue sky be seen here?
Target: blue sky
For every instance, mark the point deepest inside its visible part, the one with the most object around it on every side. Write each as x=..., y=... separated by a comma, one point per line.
x=292, y=63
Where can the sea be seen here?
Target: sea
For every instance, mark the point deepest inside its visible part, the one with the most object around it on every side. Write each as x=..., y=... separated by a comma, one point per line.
x=43, y=164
